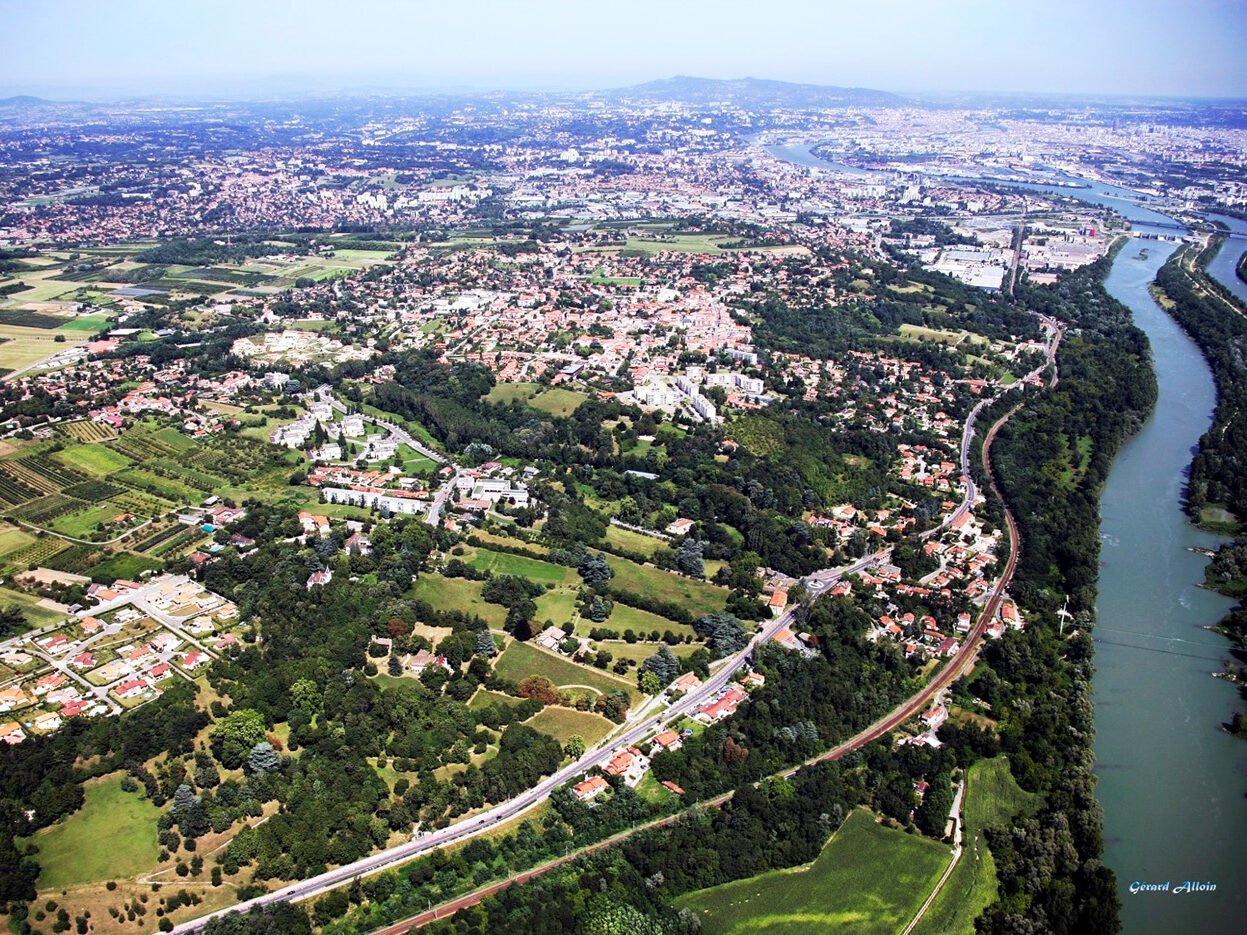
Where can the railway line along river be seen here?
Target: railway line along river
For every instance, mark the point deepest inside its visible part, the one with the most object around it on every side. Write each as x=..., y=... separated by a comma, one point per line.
x=1171, y=782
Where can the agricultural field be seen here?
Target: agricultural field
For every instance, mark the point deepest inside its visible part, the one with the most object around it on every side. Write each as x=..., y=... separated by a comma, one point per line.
x=519, y=660
x=992, y=797
x=93, y=459
x=86, y=431
x=70, y=851
x=869, y=880
x=697, y=597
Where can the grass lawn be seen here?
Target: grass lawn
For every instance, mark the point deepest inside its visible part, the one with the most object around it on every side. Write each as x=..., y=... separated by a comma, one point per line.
x=96, y=460
x=698, y=597
x=558, y=605
x=112, y=837
x=36, y=616
x=504, y=563
x=81, y=523
x=992, y=797
x=869, y=879
x=484, y=698
x=458, y=594
x=506, y=392
x=558, y=401
x=633, y=541
x=642, y=651
x=519, y=660
x=624, y=617
x=562, y=723
x=126, y=565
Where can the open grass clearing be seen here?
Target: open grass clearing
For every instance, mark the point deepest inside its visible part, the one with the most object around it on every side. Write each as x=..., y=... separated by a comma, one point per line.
x=558, y=401
x=505, y=563
x=634, y=541
x=624, y=618
x=520, y=660
x=112, y=837
x=563, y=723
x=869, y=880
x=458, y=594
x=697, y=597
x=640, y=651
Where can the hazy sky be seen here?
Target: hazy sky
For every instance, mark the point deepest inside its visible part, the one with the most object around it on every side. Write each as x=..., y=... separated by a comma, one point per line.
x=92, y=48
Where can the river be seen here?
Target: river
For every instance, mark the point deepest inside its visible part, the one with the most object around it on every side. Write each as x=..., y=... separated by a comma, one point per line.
x=1222, y=266
x=1171, y=782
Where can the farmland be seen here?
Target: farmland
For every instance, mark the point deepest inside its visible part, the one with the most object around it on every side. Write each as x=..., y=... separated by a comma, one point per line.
x=869, y=880
x=992, y=797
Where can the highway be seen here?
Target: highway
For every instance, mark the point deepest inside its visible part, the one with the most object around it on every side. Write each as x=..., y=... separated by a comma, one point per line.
x=599, y=755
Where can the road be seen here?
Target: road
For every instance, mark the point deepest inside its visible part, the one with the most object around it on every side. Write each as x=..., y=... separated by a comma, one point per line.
x=954, y=669
x=601, y=753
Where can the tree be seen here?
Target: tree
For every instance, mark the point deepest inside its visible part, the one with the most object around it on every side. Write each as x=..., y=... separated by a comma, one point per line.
x=663, y=664
x=723, y=632
x=485, y=645
x=235, y=735
x=262, y=758
x=932, y=814
x=306, y=696
x=688, y=558
x=394, y=666
x=649, y=683
x=595, y=571
x=575, y=746
x=12, y=621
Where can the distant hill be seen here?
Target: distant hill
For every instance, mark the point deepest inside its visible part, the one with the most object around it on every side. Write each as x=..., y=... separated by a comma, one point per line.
x=21, y=100
x=757, y=92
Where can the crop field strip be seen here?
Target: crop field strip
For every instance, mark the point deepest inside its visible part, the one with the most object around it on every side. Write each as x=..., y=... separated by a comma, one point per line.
x=13, y=492
x=23, y=319
x=86, y=431
x=37, y=553
x=47, y=508
x=95, y=491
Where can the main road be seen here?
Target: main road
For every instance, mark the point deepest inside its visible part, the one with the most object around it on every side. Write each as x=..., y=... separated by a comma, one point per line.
x=601, y=753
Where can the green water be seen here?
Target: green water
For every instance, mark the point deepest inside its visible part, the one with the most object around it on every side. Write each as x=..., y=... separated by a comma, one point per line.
x=1171, y=782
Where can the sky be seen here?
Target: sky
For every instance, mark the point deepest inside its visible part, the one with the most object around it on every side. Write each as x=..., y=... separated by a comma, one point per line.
x=88, y=49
